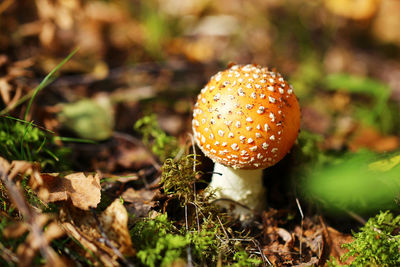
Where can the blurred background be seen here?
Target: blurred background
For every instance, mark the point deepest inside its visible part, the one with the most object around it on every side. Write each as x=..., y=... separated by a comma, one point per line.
x=173, y=46
x=141, y=57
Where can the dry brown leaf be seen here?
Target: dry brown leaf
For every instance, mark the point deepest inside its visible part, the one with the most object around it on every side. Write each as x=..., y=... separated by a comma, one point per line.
x=353, y=9
x=368, y=137
x=387, y=22
x=83, y=227
x=34, y=242
x=282, y=247
x=334, y=241
x=123, y=152
x=26, y=168
x=15, y=230
x=27, y=250
x=84, y=191
x=5, y=89
x=11, y=87
x=141, y=200
x=143, y=195
x=4, y=165
x=115, y=223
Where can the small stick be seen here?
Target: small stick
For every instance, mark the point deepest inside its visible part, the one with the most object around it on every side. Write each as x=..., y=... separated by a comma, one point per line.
x=7, y=254
x=302, y=224
x=186, y=218
x=194, y=182
x=223, y=228
x=257, y=244
x=356, y=217
x=189, y=257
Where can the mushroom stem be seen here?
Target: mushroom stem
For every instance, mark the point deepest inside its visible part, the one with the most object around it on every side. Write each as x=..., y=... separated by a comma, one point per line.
x=240, y=185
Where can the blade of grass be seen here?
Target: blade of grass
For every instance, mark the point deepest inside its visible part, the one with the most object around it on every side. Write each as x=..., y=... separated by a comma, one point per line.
x=26, y=122
x=72, y=139
x=51, y=154
x=46, y=80
x=41, y=145
x=16, y=104
x=27, y=155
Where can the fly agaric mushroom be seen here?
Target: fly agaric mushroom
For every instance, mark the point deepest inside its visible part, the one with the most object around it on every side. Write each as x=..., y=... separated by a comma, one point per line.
x=246, y=119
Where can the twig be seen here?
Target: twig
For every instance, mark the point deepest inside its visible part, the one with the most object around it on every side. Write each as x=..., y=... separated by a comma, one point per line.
x=7, y=254
x=231, y=200
x=186, y=218
x=356, y=217
x=205, y=218
x=223, y=228
x=257, y=244
x=301, y=229
x=189, y=257
x=263, y=256
x=194, y=182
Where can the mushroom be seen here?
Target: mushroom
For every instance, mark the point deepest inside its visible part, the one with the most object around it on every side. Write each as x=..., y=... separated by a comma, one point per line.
x=246, y=119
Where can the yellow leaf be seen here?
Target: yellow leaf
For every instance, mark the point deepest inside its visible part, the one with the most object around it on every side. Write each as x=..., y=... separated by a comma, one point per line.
x=385, y=164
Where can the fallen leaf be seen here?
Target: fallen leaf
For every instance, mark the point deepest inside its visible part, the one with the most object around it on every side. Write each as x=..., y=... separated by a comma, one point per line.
x=141, y=201
x=385, y=164
x=115, y=223
x=15, y=230
x=132, y=195
x=11, y=89
x=387, y=22
x=36, y=240
x=84, y=191
x=368, y=137
x=4, y=165
x=82, y=226
x=283, y=247
x=353, y=9
x=334, y=241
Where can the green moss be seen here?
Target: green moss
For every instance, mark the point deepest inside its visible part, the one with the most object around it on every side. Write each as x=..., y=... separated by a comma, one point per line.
x=178, y=178
x=377, y=243
x=161, y=144
x=242, y=258
x=160, y=243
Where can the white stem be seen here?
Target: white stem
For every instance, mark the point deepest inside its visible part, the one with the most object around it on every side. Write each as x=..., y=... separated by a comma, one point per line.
x=242, y=186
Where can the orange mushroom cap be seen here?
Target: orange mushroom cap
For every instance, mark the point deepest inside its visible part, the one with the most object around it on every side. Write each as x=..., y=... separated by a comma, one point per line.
x=246, y=117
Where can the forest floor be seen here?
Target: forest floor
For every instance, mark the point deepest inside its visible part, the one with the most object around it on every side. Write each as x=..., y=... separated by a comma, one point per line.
x=98, y=164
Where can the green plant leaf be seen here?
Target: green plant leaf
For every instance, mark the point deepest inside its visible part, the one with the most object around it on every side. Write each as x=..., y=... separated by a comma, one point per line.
x=352, y=184
x=355, y=84
x=88, y=119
